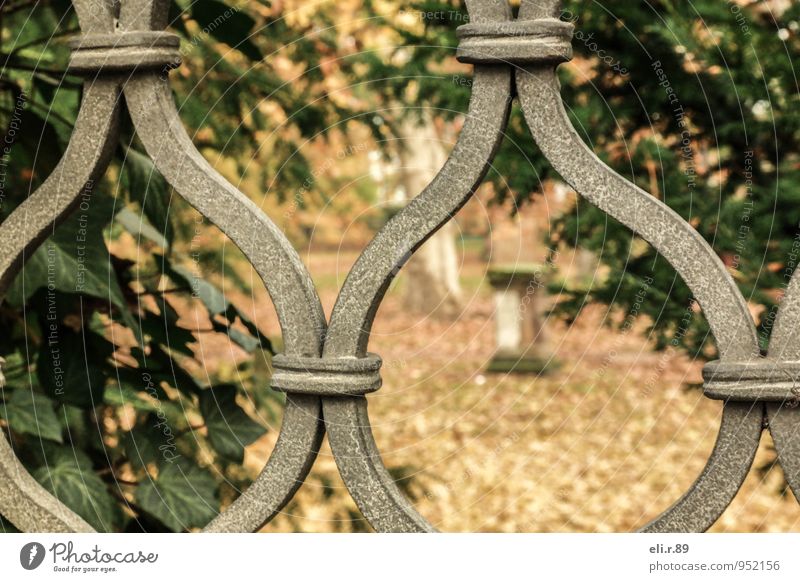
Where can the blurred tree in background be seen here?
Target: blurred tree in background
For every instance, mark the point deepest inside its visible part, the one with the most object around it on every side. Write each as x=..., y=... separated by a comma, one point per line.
x=255, y=90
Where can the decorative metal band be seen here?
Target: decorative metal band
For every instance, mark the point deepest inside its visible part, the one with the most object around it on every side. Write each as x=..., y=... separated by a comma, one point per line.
x=758, y=380
x=326, y=376
x=125, y=51
x=542, y=41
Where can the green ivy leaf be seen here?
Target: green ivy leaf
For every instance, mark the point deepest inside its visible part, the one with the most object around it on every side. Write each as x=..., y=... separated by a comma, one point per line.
x=73, y=260
x=163, y=329
x=122, y=394
x=140, y=449
x=68, y=474
x=213, y=299
x=164, y=368
x=244, y=340
x=69, y=368
x=28, y=412
x=82, y=431
x=230, y=429
x=259, y=338
x=140, y=227
x=216, y=303
x=183, y=496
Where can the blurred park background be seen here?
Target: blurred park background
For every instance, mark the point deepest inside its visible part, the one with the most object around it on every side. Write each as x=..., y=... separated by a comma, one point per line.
x=541, y=364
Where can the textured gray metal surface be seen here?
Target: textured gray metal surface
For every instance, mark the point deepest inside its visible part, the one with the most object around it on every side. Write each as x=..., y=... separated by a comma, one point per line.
x=326, y=370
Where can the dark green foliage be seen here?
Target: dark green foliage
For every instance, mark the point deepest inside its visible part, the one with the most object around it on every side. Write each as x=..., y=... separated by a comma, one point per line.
x=71, y=375
x=706, y=119
x=68, y=474
x=230, y=430
x=32, y=414
x=182, y=496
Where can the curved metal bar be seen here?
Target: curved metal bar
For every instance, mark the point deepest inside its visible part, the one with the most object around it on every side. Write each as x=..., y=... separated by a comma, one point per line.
x=784, y=419
x=656, y=222
x=696, y=262
x=723, y=475
x=95, y=16
x=373, y=272
x=85, y=160
x=536, y=9
x=158, y=125
x=301, y=317
x=22, y=500
x=363, y=471
x=346, y=418
x=28, y=505
x=144, y=14
x=784, y=342
x=283, y=474
x=784, y=424
x=451, y=188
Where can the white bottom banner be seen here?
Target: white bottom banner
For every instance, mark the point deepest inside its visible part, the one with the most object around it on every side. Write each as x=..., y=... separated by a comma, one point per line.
x=401, y=557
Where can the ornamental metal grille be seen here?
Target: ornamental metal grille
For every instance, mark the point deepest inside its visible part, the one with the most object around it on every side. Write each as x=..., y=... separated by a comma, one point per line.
x=325, y=369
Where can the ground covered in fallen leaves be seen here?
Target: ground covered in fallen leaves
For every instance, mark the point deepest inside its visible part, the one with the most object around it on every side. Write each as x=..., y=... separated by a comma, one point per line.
x=606, y=441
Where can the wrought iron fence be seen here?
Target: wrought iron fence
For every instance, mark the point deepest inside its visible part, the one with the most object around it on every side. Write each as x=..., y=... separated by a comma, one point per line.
x=325, y=369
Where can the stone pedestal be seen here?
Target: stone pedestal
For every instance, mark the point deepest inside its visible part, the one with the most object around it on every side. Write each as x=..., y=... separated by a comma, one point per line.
x=520, y=301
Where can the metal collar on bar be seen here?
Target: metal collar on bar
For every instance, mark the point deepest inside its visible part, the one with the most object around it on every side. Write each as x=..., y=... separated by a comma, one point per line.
x=758, y=380
x=326, y=376
x=125, y=51
x=543, y=41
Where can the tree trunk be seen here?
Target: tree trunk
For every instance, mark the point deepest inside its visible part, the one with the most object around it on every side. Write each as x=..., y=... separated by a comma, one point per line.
x=432, y=286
